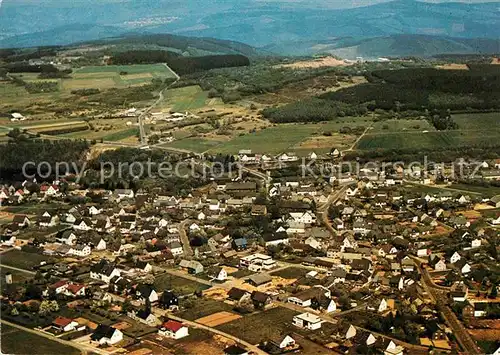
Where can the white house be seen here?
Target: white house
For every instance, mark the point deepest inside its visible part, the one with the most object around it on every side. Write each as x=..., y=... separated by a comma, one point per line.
x=476, y=243
x=383, y=306
x=80, y=250
x=351, y=332
x=173, y=329
x=176, y=248
x=440, y=265
x=218, y=273
x=201, y=216
x=105, y=334
x=455, y=257
x=64, y=324
x=308, y=321
x=306, y=217
x=82, y=225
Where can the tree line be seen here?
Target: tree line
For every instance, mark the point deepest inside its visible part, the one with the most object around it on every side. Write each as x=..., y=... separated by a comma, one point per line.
x=181, y=65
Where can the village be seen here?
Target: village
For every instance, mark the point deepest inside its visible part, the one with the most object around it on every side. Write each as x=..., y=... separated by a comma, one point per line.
x=273, y=261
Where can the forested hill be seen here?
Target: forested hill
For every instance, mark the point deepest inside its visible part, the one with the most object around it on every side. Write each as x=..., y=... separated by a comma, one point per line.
x=181, y=65
x=182, y=43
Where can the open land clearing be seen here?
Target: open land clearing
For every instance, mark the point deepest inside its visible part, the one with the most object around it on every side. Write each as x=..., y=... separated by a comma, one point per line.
x=301, y=138
x=219, y=318
x=18, y=341
x=187, y=98
x=317, y=63
x=262, y=325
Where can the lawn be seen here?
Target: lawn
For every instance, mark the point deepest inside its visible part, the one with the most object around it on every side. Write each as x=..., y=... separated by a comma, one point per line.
x=478, y=121
x=179, y=285
x=429, y=140
x=22, y=260
x=260, y=326
x=18, y=341
x=185, y=98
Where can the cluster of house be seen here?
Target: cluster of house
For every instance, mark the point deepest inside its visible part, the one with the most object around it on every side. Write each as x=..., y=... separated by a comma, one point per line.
x=246, y=156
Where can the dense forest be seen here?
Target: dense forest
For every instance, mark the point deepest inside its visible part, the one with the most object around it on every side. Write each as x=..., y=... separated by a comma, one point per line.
x=313, y=110
x=181, y=65
x=416, y=89
x=142, y=57
x=18, y=151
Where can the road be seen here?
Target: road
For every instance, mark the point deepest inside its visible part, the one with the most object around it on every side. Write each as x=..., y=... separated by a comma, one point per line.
x=186, y=245
x=85, y=349
x=439, y=297
x=322, y=211
x=142, y=133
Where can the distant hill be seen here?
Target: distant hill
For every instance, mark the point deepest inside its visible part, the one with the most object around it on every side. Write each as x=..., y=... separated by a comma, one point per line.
x=182, y=43
x=398, y=27
x=98, y=35
x=390, y=46
x=61, y=35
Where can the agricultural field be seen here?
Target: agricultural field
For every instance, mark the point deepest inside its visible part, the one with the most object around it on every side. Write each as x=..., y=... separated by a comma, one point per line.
x=109, y=76
x=429, y=140
x=487, y=191
x=18, y=341
x=263, y=325
x=218, y=318
x=478, y=121
x=187, y=98
x=195, y=144
x=299, y=138
x=23, y=260
x=178, y=285
x=204, y=307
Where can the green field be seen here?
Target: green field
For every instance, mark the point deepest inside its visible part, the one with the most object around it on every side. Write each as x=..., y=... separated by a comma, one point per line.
x=131, y=69
x=263, y=325
x=429, y=140
x=18, y=341
x=279, y=138
x=118, y=136
x=483, y=190
x=22, y=260
x=197, y=145
x=185, y=98
x=179, y=285
x=271, y=140
x=478, y=121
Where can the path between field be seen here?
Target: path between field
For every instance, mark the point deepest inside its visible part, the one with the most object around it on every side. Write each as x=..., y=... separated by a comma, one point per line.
x=359, y=138
x=85, y=349
x=147, y=110
x=18, y=269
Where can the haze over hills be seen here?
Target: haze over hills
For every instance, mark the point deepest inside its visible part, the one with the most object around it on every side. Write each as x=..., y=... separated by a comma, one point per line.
x=402, y=27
